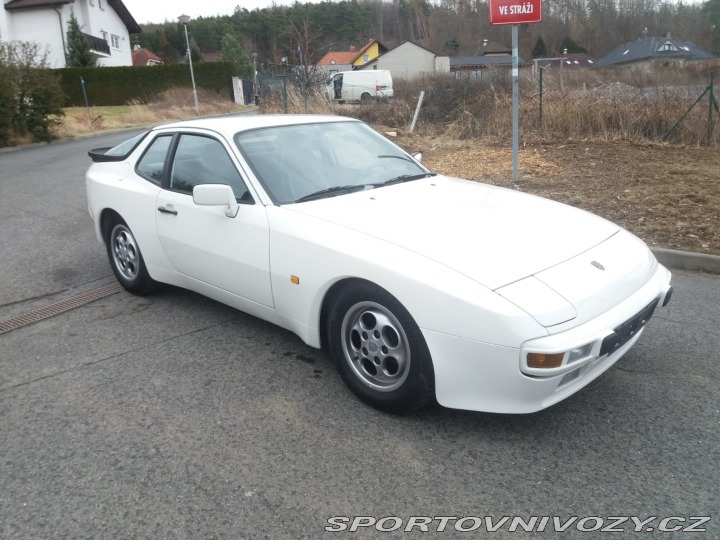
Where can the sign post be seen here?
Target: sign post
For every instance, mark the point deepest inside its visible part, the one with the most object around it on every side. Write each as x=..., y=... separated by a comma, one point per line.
x=515, y=12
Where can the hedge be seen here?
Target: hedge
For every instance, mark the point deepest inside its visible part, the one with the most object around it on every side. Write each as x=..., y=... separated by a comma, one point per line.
x=120, y=85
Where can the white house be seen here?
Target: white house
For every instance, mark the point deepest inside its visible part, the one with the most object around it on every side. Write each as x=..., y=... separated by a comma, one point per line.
x=107, y=25
x=410, y=61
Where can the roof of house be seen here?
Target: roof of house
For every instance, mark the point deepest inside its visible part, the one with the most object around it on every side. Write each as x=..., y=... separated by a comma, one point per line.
x=653, y=47
x=143, y=57
x=122, y=11
x=20, y=4
x=572, y=60
x=211, y=56
x=337, y=57
x=492, y=47
x=348, y=57
x=481, y=61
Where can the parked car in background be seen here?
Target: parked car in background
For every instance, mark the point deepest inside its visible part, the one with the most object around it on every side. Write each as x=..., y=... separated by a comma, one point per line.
x=362, y=85
x=420, y=286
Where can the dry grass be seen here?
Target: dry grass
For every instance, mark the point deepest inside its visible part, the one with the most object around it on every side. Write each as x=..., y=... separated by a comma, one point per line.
x=317, y=102
x=174, y=104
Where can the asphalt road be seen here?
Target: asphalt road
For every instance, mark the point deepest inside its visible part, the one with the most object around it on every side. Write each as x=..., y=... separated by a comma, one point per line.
x=173, y=416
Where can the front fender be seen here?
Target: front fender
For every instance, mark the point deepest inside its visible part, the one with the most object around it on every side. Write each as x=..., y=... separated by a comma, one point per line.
x=308, y=256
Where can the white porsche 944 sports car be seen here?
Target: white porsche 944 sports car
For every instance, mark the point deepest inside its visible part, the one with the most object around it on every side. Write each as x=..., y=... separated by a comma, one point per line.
x=420, y=286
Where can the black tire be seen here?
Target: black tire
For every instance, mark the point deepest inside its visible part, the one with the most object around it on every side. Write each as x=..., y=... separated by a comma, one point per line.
x=365, y=97
x=126, y=259
x=379, y=350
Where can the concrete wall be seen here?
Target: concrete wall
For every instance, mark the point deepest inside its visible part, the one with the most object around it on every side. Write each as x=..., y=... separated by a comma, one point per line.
x=442, y=64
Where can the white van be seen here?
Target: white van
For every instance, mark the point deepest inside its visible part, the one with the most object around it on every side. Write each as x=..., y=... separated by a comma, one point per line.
x=362, y=85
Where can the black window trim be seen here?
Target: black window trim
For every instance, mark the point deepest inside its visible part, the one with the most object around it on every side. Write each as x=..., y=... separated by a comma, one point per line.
x=165, y=163
x=98, y=155
x=171, y=157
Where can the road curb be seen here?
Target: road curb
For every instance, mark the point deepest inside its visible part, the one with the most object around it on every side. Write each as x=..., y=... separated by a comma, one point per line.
x=686, y=260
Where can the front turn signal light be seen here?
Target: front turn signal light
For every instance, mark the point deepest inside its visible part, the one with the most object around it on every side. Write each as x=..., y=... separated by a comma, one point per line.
x=537, y=360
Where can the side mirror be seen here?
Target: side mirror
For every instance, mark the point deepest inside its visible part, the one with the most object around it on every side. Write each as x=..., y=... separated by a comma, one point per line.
x=417, y=156
x=216, y=195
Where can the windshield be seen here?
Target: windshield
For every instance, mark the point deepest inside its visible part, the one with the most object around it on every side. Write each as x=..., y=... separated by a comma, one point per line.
x=306, y=162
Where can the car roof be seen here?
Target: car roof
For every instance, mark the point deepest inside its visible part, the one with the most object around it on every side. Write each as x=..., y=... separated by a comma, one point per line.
x=230, y=125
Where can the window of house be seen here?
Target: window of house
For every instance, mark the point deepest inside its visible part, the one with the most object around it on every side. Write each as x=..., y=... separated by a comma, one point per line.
x=366, y=58
x=100, y=4
x=92, y=2
x=203, y=160
x=104, y=36
x=115, y=41
x=668, y=46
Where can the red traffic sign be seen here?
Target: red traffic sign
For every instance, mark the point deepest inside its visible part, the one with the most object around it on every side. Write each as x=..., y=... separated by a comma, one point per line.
x=515, y=11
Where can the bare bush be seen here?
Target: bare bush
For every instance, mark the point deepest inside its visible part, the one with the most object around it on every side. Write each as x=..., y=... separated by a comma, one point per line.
x=601, y=104
x=317, y=101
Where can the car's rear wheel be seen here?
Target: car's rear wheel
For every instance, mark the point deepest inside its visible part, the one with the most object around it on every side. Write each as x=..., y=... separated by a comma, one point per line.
x=365, y=97
x=126, y=259
x=379, y=350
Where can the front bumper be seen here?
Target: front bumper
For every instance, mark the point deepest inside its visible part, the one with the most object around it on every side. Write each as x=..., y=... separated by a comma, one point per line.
x=483, y=377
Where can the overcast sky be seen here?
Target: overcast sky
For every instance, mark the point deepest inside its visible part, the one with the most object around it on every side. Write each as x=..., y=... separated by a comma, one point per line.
x=144, y=11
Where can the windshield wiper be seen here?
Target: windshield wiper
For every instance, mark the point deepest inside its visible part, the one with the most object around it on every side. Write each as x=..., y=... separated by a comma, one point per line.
x=327, y=192
x=404, y=178
x=386, y=156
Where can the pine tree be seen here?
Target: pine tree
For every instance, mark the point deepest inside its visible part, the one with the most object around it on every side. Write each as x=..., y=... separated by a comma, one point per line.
x=231, y=51
x=452, y=45
x=540, y=49
x=571, y=46
x=78, y=50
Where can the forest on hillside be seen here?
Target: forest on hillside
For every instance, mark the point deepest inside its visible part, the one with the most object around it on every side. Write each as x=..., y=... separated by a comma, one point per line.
x=306, y=32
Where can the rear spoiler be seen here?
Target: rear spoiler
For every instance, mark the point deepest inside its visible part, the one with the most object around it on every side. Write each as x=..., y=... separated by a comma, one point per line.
x=98, y=155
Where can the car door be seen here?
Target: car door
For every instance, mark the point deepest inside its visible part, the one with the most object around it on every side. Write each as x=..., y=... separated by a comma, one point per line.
x=201, y=242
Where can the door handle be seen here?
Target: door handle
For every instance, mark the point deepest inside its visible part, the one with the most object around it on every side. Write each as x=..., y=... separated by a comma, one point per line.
x=167, y=210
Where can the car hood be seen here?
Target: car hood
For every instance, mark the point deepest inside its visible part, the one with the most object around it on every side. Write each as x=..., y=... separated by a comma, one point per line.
x=492, y=235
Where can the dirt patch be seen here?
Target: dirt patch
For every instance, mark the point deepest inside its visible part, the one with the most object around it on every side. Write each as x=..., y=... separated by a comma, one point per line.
x=667, y=195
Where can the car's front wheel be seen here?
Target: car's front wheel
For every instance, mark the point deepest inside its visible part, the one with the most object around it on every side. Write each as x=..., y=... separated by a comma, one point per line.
x=126, y=260
x=379, y=350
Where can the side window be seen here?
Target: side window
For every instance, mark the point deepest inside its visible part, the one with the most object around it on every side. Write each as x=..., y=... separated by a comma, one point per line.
x=203, y=160
x=151, y=164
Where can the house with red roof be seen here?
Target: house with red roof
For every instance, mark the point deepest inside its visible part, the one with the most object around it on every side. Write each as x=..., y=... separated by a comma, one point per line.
x=143, y=57
x=335, y=61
